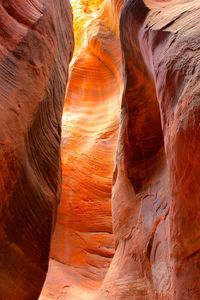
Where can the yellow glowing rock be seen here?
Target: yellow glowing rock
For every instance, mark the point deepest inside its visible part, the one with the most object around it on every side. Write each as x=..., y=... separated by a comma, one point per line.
x=83, y=236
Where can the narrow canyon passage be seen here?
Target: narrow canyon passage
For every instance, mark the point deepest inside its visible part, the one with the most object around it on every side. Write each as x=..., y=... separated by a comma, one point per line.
x=83, y=244
x=155, y=101
x=150, y=199
x=128, y=223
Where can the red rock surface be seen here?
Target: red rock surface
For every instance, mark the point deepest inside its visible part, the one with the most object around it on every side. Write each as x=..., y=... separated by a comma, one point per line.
x=83, y=239
x=156, y=182
x=155, y=198
x=36, y=43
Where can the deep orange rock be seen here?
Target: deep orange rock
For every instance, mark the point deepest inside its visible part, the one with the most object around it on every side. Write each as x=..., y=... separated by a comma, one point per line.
x=36, y=44
x=83, y=239
x=83, y=236
x=155, y=199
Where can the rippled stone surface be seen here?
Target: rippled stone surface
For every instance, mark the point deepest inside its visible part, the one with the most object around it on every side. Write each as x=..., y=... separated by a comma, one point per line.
x=36, y=44
x=156, y=182
x=83, y=239
x=83, y=236
x=155, y=199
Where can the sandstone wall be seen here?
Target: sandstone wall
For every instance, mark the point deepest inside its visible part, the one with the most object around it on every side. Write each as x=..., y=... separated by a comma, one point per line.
x=156, y=182
x=36, y=44
x=83, y=237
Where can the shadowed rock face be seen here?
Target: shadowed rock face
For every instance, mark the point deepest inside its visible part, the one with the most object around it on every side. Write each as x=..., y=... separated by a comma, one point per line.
x=83, y=239
x=36, y=43
x=156, y=190
x=155, y=199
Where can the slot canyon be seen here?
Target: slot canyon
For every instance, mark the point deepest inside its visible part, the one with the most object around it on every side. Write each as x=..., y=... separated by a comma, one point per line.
x=99, y=150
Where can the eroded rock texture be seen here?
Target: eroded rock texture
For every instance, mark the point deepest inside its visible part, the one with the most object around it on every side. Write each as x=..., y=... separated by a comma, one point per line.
x=83, y=235
x=155, y=198
x=156, y=190
x=36, y=43
x=83, y=239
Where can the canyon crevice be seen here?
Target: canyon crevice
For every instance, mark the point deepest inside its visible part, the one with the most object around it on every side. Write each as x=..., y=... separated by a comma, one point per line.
x=83, y=239
x=128, y=223
x=155, y=224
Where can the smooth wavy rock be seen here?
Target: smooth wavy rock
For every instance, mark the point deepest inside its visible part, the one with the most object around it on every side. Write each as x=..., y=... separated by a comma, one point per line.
x=156, y=207
x=90, y=128
x=83, y=239
x=36, y=44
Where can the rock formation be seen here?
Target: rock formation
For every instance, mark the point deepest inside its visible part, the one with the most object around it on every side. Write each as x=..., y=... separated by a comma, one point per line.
x=83, y=239
x=36, y=44
x=152, y=56
x=156, y=182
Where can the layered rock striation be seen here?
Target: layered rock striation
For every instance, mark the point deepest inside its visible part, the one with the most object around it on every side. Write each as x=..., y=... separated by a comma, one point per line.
x=155, y=186
x=151, y=56
x=83, y=236
x=36, y=44
x=83, y=240
x=156, y=182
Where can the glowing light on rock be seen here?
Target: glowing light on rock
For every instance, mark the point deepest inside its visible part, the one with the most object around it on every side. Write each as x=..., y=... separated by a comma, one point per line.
x=83, y=238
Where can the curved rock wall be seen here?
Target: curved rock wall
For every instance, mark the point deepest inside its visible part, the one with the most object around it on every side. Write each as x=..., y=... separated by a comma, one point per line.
x=156, y=182
x=83, y=237
x=82, y=247
x=36, y=44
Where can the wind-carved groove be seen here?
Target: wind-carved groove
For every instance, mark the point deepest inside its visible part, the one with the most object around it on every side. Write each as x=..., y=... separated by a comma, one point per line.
x=144, y=137
x=33, y=73
x=83, y=237
x=26, y=14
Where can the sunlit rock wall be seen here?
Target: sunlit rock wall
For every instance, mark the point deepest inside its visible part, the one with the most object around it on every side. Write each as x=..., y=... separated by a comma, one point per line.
x=156, y=182
x=83, y=236
x=36, y=44
x=155, y=198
